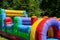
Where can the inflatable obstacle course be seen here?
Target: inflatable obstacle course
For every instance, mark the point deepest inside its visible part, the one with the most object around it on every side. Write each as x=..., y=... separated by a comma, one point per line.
x=17, y=24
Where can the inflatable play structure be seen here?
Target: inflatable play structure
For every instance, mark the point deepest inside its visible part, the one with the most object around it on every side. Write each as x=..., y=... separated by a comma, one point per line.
x=17, y=23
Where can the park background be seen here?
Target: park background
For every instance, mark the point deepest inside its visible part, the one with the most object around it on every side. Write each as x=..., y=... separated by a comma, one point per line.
x=34, y=7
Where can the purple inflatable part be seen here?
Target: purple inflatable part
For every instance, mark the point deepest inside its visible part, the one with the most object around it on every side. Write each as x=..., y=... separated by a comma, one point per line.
x=26, y=23
x=47, y=25
x=26, y=19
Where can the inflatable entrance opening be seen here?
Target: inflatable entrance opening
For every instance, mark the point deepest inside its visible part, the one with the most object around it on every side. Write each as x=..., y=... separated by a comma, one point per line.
x=52, y=31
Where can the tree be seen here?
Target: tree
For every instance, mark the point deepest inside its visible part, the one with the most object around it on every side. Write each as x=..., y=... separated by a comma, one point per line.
x=34, y=7
x=51, y=7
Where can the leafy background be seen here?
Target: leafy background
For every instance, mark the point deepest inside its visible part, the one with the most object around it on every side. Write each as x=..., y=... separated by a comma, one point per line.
x=34, y=7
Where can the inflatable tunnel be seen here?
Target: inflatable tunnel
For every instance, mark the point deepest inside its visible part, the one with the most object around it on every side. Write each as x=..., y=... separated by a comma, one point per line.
x=40, y=28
